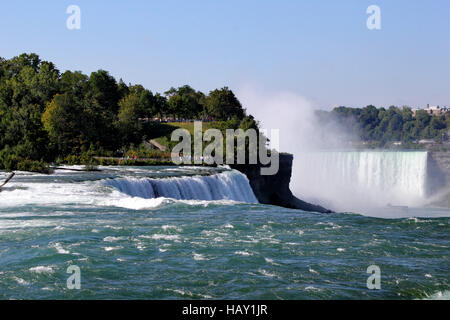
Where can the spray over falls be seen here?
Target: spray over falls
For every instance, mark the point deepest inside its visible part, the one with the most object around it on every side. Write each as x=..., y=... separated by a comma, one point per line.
x=361, y=179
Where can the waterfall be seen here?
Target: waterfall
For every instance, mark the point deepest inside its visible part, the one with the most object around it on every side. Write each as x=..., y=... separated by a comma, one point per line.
x=229, y=185
x=361, y=179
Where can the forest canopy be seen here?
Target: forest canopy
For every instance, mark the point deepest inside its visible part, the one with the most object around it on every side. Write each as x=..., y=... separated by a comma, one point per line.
x=384, y=126
x=46, y=114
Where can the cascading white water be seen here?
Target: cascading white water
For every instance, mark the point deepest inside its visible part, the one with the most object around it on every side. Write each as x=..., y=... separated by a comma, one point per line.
x=229, y=185
x=361, y=179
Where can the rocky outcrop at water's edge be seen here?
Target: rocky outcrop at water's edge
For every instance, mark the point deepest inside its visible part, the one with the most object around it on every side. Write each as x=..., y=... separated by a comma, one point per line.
x=274, y=189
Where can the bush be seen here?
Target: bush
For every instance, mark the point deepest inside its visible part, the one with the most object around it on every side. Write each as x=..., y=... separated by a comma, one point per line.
x=10, y=161
x=91, y=167
x=142, y=151
x=33, y=166
x=83, y=159
x=107, y=162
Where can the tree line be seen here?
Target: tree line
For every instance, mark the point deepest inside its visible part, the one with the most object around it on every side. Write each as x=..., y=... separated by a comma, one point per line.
x=46, y=114
x=384, y=126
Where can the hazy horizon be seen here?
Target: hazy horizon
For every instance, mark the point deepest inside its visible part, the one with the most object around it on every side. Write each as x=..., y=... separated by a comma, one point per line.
x=323, y=52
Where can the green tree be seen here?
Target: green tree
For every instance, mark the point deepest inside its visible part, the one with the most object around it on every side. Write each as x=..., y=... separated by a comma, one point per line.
x=65, y=124
x=161, y=105
x=407, y=114
x=76, y=83
x=131, y=108
x=26, y=85
x=104, y=90
x=101, y=105
x=185, y=102
x=222, y=104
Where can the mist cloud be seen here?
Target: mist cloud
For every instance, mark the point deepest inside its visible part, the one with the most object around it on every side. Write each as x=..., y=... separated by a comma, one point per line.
x=343, y=181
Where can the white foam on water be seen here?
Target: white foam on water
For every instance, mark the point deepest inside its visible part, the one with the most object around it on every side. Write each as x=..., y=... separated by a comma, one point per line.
x=51, y=194
x=198, y=257
x=112, y=248
x=226, y=188
x=21, y=281
x=59, y=248
x=135, y=203
x=440, y=295
x=172, y=237
x=171, y=227
x=20, y=224
x=267, y=273
x=313, y=271
x=112, y=239
x=243, y=253
x=181, y=292
x=311, y=288
x=42, y=269
x=271, y=261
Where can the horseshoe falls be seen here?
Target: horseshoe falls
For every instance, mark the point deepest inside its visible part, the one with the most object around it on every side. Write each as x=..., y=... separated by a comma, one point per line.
x=361, y=180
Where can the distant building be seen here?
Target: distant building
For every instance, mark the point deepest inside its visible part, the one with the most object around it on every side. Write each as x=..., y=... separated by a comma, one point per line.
x=433, y=110
x=436, y=110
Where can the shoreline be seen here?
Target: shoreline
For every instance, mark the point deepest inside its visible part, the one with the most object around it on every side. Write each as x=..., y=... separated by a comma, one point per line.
x=271, y=190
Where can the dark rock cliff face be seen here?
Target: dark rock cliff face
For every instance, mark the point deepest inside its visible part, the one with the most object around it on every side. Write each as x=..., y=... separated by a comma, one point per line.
x=274, y=189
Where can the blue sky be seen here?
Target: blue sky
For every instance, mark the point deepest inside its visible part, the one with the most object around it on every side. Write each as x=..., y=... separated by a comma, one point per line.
x=320, y=50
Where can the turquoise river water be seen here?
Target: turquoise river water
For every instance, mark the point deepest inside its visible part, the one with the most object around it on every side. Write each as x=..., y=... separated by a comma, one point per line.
x=174, y=233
